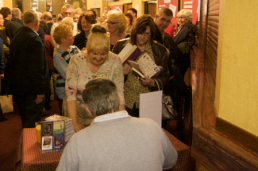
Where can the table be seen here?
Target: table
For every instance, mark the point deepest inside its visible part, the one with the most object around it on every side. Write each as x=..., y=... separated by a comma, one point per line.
x=32, y=158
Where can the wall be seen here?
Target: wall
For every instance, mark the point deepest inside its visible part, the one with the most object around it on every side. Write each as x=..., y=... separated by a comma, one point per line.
x=6, y=3
x=236, y=97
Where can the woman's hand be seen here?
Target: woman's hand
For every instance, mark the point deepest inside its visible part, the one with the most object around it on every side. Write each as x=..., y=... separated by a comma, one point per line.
x=77, y=126
x=146, y=81
x=126, y=69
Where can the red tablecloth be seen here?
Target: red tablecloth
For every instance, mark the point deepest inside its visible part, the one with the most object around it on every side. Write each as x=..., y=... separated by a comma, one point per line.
x=32, y=156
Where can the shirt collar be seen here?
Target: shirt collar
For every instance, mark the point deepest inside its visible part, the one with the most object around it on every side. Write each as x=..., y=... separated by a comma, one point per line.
x=111, y=116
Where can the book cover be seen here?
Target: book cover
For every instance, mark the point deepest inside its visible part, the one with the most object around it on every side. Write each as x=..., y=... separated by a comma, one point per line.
x=52, y=135
x=129, y=52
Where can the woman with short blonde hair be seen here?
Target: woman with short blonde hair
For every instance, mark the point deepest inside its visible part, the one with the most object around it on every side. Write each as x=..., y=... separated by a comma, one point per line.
x=116, y=26
x=98, y=61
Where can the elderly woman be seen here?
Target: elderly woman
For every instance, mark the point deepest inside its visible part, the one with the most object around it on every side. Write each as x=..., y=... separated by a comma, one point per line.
x=96, y=62
x=116, y=26
x=186, y=32
x=84, y=25
x=142, y=35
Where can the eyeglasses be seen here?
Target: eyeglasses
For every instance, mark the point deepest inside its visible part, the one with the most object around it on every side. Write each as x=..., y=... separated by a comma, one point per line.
x=180, y=18
x=109, y=22
x=145, y=35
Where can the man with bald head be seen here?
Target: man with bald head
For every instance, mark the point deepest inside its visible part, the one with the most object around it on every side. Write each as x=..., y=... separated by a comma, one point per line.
x=47, y=17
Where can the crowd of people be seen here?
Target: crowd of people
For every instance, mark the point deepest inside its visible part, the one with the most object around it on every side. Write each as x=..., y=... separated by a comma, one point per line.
x=80, y=49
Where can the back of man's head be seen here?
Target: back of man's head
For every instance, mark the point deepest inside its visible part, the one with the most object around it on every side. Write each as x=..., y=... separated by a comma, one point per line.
x=165, y=11
x=5, y=11
x=30, y=16
x=16, y=12
x=47, y=16
x=101, y=96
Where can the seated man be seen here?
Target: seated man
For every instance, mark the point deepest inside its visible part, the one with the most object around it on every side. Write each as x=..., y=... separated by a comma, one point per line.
x=115, y=140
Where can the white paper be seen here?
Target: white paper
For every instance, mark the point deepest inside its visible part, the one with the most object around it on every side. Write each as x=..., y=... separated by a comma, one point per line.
x=188, y=6
x=173, y=9
x=167, y=1
x=151, y=106
x=188, y=2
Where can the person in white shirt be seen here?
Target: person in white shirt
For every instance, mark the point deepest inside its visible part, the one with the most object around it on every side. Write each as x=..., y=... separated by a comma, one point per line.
x=115, y=140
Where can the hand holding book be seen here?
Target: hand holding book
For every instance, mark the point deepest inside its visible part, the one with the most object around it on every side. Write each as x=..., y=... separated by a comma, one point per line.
x=145, y=66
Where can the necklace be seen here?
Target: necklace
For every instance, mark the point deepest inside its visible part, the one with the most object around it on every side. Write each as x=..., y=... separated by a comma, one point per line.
x=113, y=48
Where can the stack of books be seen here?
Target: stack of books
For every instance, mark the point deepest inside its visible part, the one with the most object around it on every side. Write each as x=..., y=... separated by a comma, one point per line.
x=68, y=126
x=69, y=129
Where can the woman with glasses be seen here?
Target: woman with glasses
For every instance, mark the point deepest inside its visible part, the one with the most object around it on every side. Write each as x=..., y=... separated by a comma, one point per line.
x=182, y=38
x=84, y=25
x=98, y=61
x=116, y=26
x=142, y=35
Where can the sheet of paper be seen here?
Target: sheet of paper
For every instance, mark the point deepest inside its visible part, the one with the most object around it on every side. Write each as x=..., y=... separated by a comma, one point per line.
x=151, y=106
x=167, y=1
x=188, y=6
x=173, y=9
x=188, y=2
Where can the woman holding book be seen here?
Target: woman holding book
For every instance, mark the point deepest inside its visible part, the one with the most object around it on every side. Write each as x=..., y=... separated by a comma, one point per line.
x=116, y=26
x=98, y=61
x=142, y=35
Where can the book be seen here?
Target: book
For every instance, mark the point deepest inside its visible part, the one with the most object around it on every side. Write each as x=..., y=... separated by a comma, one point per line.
x=145, y=66
x=52, y=135
x=129, y=52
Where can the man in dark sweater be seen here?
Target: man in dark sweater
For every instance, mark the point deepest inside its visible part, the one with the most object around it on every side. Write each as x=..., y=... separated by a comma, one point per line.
x=9, y=26
x=16, y=17
x=28, y=70
x=176, y=81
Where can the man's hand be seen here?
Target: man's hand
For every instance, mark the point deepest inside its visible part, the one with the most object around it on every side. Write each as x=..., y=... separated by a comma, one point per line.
x=2, y=76
x=77, y=126
x=39, y=98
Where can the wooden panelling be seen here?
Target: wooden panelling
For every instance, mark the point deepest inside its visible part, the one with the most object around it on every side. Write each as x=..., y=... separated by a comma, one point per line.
x=225, y=147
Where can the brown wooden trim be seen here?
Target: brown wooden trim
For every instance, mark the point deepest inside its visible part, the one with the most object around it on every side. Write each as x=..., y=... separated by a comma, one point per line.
x=225, y=147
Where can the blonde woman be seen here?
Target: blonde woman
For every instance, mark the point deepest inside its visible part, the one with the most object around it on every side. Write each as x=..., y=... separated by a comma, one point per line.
x=116, y=26
x=76, y=15
x=83, y=67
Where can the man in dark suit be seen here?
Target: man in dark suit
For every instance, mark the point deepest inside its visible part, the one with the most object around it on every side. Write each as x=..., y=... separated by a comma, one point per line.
x=28, y=70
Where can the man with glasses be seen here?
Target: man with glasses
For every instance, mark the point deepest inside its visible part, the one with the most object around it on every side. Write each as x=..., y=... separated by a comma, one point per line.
x=115, y=140
x=66, y=11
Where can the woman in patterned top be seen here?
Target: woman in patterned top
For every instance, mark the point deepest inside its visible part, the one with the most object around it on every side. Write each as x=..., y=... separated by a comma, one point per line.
x=96, y=62
x=142, y=35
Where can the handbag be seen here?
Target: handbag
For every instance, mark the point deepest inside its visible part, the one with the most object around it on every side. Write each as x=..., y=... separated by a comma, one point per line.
x=168, y=111
x=6, y=102
x=183, y=47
